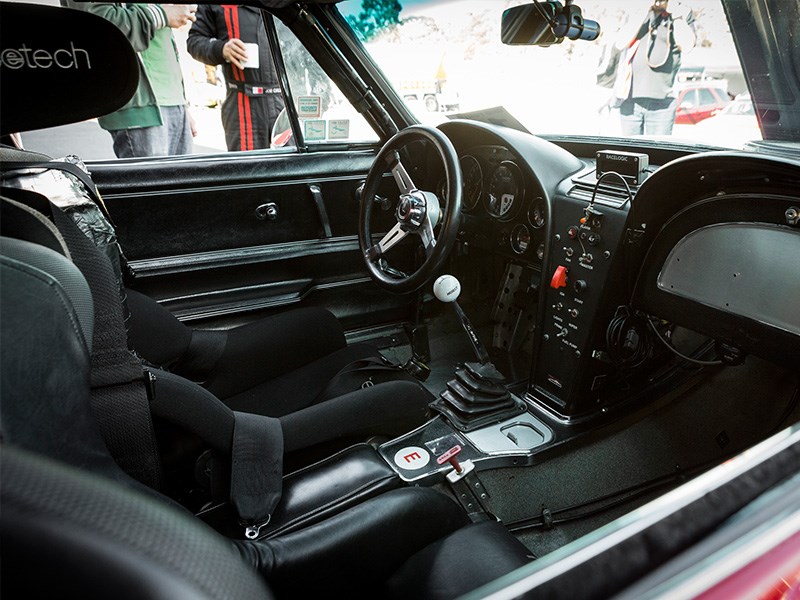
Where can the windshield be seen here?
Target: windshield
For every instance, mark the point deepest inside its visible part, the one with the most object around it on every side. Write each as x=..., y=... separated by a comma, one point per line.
x=656, y=70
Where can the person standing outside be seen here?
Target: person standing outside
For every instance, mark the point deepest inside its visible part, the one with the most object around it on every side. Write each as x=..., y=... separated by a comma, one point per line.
x=235, y=37
x=647, y=70
x=155, y=122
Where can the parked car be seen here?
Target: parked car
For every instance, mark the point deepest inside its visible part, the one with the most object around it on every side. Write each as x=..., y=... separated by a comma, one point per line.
x=212, y=365
x=697, y=102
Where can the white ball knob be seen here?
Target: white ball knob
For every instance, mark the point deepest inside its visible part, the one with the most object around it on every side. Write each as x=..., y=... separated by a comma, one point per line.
x=446, y=288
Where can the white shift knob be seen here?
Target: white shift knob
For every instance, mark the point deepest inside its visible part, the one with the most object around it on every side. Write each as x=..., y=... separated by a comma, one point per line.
x=446, y=288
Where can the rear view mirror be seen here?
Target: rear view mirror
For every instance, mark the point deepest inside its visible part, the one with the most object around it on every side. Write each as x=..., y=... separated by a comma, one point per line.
x=526, y=25
x=545, y=23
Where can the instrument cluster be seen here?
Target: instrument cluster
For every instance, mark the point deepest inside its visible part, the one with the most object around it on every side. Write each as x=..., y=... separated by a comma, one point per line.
x=503, y=207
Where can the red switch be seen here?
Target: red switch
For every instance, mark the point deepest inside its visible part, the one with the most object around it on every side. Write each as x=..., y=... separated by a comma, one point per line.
x=559, y=278
x=450, y=456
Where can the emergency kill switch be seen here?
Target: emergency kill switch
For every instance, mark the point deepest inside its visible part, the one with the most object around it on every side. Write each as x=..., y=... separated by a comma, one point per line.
x=559, y=278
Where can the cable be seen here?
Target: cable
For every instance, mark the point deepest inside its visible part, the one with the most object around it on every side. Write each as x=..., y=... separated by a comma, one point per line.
x=611, y=500
x=788, y=410
x=705, y=363
x=627, y=341
x=624, y=182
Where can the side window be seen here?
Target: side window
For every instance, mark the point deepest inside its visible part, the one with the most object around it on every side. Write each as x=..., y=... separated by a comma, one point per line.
x=689, y=99
x=325, y=115
x=205, y=86
x=707, y=97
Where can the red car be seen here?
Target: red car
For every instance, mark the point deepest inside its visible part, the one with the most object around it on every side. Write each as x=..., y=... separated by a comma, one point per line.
x=699, y=102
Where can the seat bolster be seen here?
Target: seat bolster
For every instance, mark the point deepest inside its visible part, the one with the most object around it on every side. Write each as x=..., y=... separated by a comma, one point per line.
x=68, y=533
x=354, y=552
x=155, y=333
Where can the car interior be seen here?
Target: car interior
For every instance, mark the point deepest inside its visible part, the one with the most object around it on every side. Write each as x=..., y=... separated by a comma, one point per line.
x=467, y=361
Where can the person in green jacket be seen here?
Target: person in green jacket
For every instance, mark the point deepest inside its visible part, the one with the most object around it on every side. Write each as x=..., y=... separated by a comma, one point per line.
x=155, y=122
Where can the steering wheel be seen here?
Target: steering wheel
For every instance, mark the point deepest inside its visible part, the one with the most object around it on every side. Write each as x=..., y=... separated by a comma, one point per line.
x=418, y=212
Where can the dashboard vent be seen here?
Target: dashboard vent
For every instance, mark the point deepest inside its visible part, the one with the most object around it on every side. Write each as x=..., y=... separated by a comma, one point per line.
x=606, y=194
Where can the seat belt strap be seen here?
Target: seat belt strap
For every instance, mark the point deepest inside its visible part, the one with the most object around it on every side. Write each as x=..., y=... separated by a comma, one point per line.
x=256, y=469
x=119, y=395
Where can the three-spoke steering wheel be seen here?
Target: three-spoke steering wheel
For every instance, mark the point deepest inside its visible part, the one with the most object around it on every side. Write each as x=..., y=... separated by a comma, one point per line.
x=418, y=212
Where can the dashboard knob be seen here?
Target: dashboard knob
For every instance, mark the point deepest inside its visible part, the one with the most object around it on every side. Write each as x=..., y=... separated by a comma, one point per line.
x=580, y=286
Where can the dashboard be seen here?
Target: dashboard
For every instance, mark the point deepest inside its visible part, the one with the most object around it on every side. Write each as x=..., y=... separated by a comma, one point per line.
x=598, y=250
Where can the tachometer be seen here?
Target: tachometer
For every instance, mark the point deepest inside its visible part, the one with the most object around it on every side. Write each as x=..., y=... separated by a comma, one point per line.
x=505, y=191
x=473, y=181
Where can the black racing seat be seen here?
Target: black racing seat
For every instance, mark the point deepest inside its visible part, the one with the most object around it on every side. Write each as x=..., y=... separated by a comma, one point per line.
x=288, y=365
x=74, y=524
x=275, y=366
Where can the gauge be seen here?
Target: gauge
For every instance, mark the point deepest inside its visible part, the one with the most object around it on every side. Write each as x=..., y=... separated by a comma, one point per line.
x=540, y=251
x=537, y=213
x=520, y=239
x=473, y=181
x=441, y=191
x=505, y=191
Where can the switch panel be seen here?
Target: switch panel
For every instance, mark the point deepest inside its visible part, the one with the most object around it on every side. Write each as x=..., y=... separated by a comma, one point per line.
x=586, y=282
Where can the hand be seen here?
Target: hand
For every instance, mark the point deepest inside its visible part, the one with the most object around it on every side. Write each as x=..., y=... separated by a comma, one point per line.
x=179, y=15
x=235, y=52
x=192, y=123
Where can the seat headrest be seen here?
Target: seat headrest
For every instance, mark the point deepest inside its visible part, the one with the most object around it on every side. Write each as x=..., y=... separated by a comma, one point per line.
x=59, y=66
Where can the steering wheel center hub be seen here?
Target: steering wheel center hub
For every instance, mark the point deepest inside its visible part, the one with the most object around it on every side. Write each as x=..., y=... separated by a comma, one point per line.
x=411, y=210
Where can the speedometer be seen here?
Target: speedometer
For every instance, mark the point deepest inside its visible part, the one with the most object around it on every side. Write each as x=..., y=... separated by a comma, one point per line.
x=505, y=191
x=473, y=181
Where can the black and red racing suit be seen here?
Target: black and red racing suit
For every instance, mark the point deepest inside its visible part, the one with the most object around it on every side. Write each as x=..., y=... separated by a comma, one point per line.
x=253, y=100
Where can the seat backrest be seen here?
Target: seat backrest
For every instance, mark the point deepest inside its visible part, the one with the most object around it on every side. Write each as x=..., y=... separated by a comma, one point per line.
x=72, y=522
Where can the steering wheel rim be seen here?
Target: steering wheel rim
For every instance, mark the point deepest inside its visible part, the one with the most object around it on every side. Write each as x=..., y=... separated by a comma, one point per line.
x=417, y=211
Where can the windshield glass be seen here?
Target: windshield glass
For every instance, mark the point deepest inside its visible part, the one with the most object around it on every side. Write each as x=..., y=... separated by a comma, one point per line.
x=657, y=69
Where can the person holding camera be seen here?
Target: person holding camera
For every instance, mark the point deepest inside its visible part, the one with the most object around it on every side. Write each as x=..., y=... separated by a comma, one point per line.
x=648, y=68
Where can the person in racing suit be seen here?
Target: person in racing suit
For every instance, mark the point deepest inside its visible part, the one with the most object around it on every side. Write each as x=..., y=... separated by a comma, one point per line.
x=253, y=100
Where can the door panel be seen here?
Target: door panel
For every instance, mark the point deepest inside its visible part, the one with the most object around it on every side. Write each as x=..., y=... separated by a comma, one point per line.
x=189, y=229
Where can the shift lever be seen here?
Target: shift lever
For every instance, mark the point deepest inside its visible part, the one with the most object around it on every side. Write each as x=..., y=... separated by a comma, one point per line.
x=477, y=396
x=447, y=289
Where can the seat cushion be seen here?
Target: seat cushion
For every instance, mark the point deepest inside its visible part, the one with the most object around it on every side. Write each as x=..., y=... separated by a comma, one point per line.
x=271, y=347
x=292, y=390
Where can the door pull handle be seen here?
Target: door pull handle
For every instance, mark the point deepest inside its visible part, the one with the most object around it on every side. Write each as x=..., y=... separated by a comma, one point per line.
x=268, y=211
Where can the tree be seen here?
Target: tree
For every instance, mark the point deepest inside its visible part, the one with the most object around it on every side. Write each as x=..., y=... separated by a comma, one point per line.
x=374, y=16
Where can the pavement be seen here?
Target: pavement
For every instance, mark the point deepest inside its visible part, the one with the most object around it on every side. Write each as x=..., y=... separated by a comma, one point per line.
x=90, y=142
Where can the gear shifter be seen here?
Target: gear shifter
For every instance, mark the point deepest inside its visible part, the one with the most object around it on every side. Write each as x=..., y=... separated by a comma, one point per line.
x=447, y=289
x=477, y=396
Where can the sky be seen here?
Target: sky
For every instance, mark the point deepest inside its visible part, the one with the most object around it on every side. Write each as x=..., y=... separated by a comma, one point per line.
x=350, y=7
